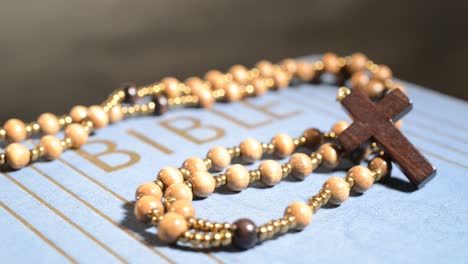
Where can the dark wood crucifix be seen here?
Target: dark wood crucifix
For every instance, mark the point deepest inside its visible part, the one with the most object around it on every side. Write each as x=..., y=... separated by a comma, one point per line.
x=375, y=121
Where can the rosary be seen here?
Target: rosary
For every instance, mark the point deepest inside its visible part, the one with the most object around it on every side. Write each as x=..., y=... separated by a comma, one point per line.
x=375, y=103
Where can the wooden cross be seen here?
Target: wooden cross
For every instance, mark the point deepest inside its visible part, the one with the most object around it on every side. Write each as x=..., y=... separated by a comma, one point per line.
x=375, y=121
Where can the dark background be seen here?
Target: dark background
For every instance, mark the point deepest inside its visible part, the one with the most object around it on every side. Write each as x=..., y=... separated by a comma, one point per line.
x=55, y=54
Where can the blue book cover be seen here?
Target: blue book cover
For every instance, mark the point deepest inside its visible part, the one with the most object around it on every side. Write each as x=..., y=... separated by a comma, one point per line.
x=79, y=208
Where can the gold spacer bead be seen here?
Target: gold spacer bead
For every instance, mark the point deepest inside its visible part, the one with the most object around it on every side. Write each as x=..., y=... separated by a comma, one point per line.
x=349, y=180
x=292, y=222
x=160, y=184
x=325, y=194
x=268, y=148
x=318, y=65
x=2, y=134
x=216, y=241
x=270, y=231
x=185, y=238
x=316, y=159
x=2, y=158
x=208, y=163
x=185, y=173
x=207, y=238
x=36, y=153
x=197, y=239
x=263, y=233
x=286, y=168
x=227, y=239
x=255, y=175
x=220, y=179
x=342, y=93
x=189, y=184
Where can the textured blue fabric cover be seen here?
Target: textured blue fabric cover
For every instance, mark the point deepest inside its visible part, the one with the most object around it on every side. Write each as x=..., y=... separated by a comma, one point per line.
x=75, y=210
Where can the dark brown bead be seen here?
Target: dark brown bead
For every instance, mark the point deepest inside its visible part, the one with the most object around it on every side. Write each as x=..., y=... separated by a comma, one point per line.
x=161, y=104
x=245, y=234
x=131, y=93
x=314, y=138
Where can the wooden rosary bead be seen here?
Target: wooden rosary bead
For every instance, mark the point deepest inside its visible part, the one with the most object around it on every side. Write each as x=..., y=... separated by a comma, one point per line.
x=265, y=68
x=340, y=127
x=15, y=130
x=169, y=176
x=130, y=93
x=314, y=138
x=362, y=177
x=281, y=79
x=98, y=116
x=330, y=155
x=283, y=144
x=245, y=234
x=194, y=165
x=381, y=166
x=183, y=208
x=77, y=134
x=233, y=92
x=194, y=83
x=305, y=71
x=271, y=172
x=383, y=73
x=301, y=212
x=331, y=63
x=239, y=73
x=144, y=205
x=179, y=191
x=219, y=157
x=161, y=105
x=260, y=86
x=237, y=177
x=251, y=150
x=399, y=124
x=357, y=62
x=374, y=88
x=49, y=124
x=148, y=189
x=339, y=189
x=17, y=155
x=52, y=147
x=171, y=87
x=301, y=165
x=171, y=227
x=216, y=78
x=116, y=114
x=205, y=97
x=359, y=80
x=203, y=183
x=289, y=65
x=78, y=113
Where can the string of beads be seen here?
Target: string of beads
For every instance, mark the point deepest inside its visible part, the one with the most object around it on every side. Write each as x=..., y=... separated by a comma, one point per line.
x=167, y=202
x=235, y=85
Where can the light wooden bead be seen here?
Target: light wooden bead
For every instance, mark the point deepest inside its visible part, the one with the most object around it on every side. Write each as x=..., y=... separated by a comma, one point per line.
x=330, y=155
x=144, y=205
x=17, y=155
x=194, y=164
x=265, y=68
x=239, y=73
x=383, y=73
x=203, y=183
x=77, y=134
x=233, y=92
x=331, y=63
x=171, y=87
x=374, y=88
x=305, y=71
x=216, y=78
x=281, y=79
x=116, y=114
x=271, y=172
x=357, y=62
x=359, y=80
x=363, y=179
x=301, y=165
x=219, y=157
x=284, y=145
x=260, y=86
x=98, y=116
x=52, y=147
x=148, y=189
x=205, y=97
x=339, y=189
x=399, y=124
x=340, y=127
x=380, y=165
x=237, y=177
x=179, y=191
x=289, y=65
x=301, y=212
x=194, y=83
x=49, y=124
x=182, y=207
x=314, y=138
x=78, y=113
x=15, y=130
x=171, y=227
x=251, y=150
x=170, y=175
